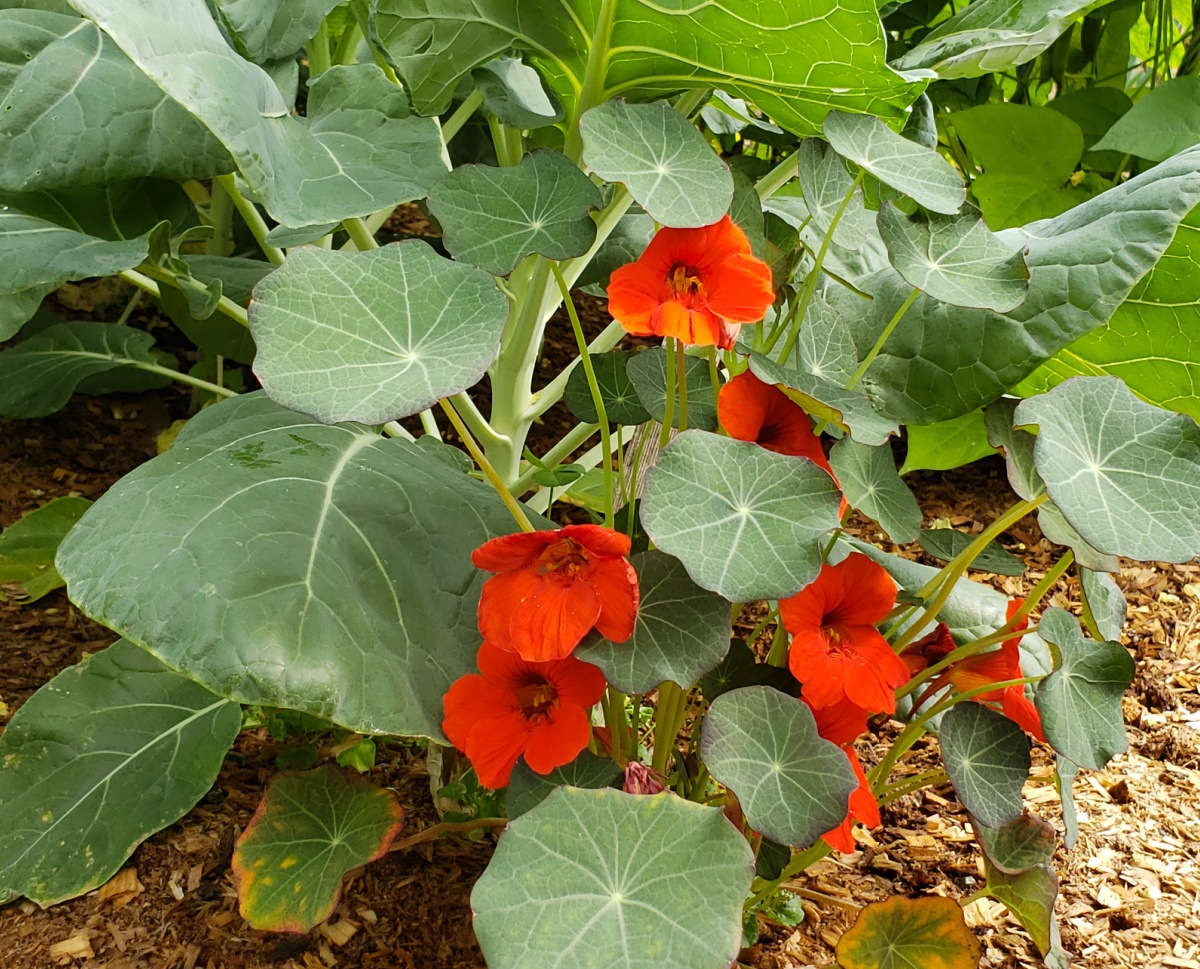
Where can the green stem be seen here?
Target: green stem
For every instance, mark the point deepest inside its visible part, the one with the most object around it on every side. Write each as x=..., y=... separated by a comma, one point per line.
x=681, y=384
x=429, y=424
x=144, y=278
x=250, y=215
x=462, y=114
x=570, y=442
x=668, y=718
x=473, y=418
x=614, y=719
x=1044, y=585
x=348, y=45
x=507, y=141
x=966, y=651
x=669, y=405
x=930, y=778
x=588, y=460
x=887, y=331
x=363, y=18
x=714, y=375
x=317, y=49
x=777, y=177
x=396, y=429
x=485, y=466
x=183, y=378
x=552, y=393
x=800, y=861
x=220, y=217
x=591, y=91
x=778, y=656
x=360, y=235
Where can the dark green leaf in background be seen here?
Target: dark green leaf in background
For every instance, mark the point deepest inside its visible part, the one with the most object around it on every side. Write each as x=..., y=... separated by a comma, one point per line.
x=647, y=372
x=27, y=546
x=739, y=668
x=1164, y=121
x=1018, y=845
x=621, y=403
x=825, y=183
x=987, y=758
x=946, y=543
x=947, y=444
x=527, y=789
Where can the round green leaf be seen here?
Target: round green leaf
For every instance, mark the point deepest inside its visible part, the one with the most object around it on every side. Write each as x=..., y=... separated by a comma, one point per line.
x=906, y=933
x=739, y=668
x=987, y=758
x=526, y=789
x=648, y=373
x=744, y=521
x=618, y=880
x=946, y=543
x=290, y=563
x=1029, y=895
x=868, y=479
x=1018, y=845
x=28, y=545
x=919, y=172
x=763, y=745
x=621, y=403
x=107, y=753
x=682, y=631
x=309, y=830
x=1105, y=602
x=373, y=336
x=1125, y=474
x=955, y=259
x=666, y=164
x=1165, y=121
x=495, y=217
x=825, y=183
x=1080, y=702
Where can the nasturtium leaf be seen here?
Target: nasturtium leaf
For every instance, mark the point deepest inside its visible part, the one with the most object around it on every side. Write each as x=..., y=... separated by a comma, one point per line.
x=772, y=859
x=668, y=167
x=825, y=183
x=1017, y=845
x=285, y=237
x=744, y=521
x=647, y=372
x=1149, y=342
x=1162, y=122
x=868, y=479
x=268, y=30
x=1105, y=602
x=945, y=543
x=621, y=403
x=627, y=241
x=1124, y=473
x=104, y=755
x=746, y=212
x=1080, y=702
x=943, y=361
x=993, y=35
x=39, y=374
x=495, y=217
x=825, y=347
x=739, y=668
x=906, y=933
x=27, y=546
x=74, y=110
x=682, y=631
x=514, y=93
x=214, y=333
x=763, y=745
x=373, y=336
x=987, y=758
x=309, y=830
x=357, y=150
x=947, y=444
x=790, y=65
x=357, y=605
x=237, y=274
x=1095, y=110
x=527, y=789
x=851, y=410
x=1029, y=895
x=919, y=172
x=1058, y=530
x=955, y=259
x=614, y=879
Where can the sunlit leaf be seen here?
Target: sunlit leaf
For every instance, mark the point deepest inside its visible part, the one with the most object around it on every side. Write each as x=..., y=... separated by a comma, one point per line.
x=947, y=444
x=1162, y=122
x=906, y=933
x=27, y=546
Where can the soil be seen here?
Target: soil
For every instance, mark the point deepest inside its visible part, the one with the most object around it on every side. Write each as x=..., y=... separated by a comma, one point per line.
x=1130, y=888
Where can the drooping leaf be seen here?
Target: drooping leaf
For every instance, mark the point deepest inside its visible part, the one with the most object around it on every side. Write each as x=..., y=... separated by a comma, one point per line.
x=792, y=67
x=1080, y=702
x=38, y=375
x=527, y=789
x=993, y=35
x=904, y=933
x=214, y=333
x=913, y=169
x=947, y=444
x=28, y=545
x=666, y=164
x=1164, y=121
x=621, y=403
x=1125, y=474
x=682, y=631
x=955, y=259
x=763, y=745
x=74, y=110
x=647, y=372
x=1018, y=845
x=514, y=93
x=373, y=336
x=1029, y=896
x=825, y=183
x=190, y=555
x=744, y=521
x=1104, y=601
x=868, y=479
x=309, y=830
x=268, y=30
x=107, y=753
x=495, y=217
x=357, y=150
x=614, y=879
x=945, y=543
x=987, y=758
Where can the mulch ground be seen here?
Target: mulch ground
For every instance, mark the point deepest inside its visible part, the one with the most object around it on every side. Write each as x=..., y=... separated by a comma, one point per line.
x=1130, y=888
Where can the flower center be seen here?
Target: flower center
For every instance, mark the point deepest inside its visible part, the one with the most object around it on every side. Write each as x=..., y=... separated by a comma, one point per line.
x=536, y=699
x=685, y=283
x=837, y=640
x=566, y=556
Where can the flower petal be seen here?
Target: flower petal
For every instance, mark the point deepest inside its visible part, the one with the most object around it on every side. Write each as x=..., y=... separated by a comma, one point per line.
x=598, y=540
x=553, y=618
x=697, y=326
x=509, y=552
x=616, y=586
x=740, y=289
x=1020, y=709
x=558, y=738
x=806, y=610
x=493, y=747
x=469, y=700
x=635, y=292
x=742, y=406
x=575, y=682
x=863, y=806
x=503, y=596
x=841, y=723
x=868, y=592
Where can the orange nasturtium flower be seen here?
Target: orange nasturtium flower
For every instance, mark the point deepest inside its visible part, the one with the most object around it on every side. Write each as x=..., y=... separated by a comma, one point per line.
x=553, y=587
x=751, y=410
x=541, y=710
x=698, y=285
x=836, y=650
x=842, y=723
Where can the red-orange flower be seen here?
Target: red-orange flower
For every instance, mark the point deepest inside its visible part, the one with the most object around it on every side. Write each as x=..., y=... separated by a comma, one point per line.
x=698, y=285
x=862, y=809
x=516, y=707
x=553, y=587
x=751, y=410
x=836, y=650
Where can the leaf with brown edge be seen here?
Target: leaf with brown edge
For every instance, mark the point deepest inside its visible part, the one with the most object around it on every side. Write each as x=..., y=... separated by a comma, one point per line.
x=909, y=933
x=309, y=830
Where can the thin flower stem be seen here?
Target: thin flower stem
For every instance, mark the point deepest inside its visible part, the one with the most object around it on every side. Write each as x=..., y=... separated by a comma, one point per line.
x=930, y=778
x=462, y=114
x=631, y=518
x=250, y=215
x=429, y=424
x=762, y=624
x=681, y=384
x=778, y=177
x=597, y=396
x=185, y=378
x=714, y=375
x=144, y=278
x=966, y=651
x=669, y=404
x=570, y=442
x=887, y=332
x=668, y=718
x=485, y=466
x=360, y=235
x=435, y=831
x=824, y=899
x=552, y=393
x=614, y=718
x=473, y=418
x=1044, y=585
x=778, y=655
x=800, y=861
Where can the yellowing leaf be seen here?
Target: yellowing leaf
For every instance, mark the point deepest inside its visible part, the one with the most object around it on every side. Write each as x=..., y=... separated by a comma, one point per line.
x=908, y=933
